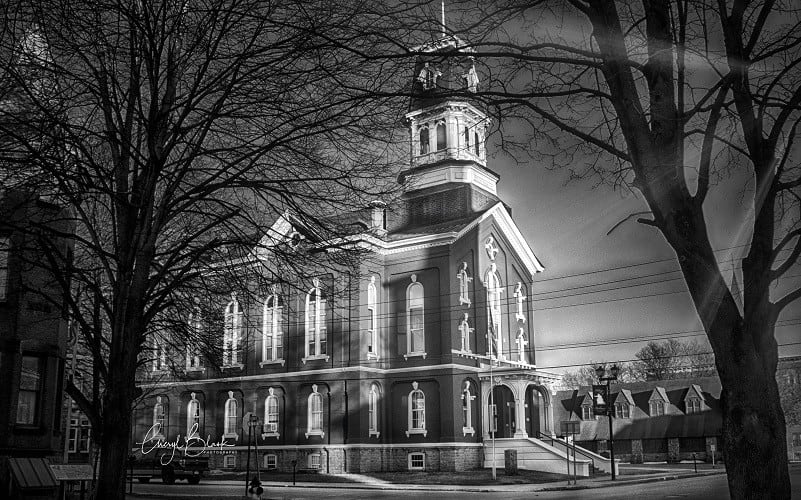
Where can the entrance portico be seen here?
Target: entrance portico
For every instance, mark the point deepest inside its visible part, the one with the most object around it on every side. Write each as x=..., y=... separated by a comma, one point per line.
x=523, y=400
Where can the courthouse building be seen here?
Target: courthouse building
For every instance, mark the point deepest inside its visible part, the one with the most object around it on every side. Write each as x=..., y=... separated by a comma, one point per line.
x=393, y=375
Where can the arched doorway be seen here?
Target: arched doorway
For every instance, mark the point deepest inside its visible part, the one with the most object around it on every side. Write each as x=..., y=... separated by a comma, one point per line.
x=504, y=416
x=535, y=405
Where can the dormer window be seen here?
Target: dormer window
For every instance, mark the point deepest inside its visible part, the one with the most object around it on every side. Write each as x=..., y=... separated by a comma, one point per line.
x=622, y=410
x=693, y=405
x=657, y=408
x=424, y=146
x=587, y=413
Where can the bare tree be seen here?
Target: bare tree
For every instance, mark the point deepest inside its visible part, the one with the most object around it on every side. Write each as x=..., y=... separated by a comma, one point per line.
x=663, y=97
x=586, y=376
x=673, y=359
x=177, y=132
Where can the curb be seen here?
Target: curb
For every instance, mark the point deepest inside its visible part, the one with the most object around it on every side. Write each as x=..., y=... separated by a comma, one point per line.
x=518, y=488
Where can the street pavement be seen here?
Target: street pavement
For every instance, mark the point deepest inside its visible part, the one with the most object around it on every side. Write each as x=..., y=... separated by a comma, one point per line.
x=654, y=482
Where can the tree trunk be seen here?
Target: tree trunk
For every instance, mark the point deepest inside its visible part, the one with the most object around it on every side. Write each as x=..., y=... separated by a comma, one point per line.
x=114, y=449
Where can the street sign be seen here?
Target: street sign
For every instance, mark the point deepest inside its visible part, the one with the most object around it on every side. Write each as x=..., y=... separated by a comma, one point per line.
x=712, y=448
x=570, y=427
x=600, y=399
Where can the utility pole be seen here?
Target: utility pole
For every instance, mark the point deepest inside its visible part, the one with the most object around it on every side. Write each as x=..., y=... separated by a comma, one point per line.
x=610, y=410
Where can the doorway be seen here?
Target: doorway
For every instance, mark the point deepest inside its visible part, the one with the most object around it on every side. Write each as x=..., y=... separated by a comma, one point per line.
x=504, y=416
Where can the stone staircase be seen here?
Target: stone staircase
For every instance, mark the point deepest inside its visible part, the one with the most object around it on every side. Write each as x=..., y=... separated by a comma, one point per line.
x=535, y=454
x=598, y=463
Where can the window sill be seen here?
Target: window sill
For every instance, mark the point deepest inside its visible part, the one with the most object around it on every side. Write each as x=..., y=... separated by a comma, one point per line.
x=414, y=355
x=233, y=436
x=468, y=430
x=315, y=433
x=272, y=362
x=464, y=301
x=315, y=357
x=236, y=366
x=194, y=369
x=372, y=356
x=410, y=432
x=377, y=434
x=266, y=435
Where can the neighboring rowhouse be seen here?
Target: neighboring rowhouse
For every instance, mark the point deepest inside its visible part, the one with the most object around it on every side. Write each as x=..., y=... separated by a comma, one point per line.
x=383, y=367
x=788, y=376
x=33, y=332
x=661, y=420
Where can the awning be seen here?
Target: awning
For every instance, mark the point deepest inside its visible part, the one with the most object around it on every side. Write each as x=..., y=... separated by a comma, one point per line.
x=32, y=473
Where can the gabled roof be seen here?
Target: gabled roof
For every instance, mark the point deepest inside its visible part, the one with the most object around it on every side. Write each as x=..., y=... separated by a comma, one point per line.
x=623, y=396
x=694, y=391
x=659, y=394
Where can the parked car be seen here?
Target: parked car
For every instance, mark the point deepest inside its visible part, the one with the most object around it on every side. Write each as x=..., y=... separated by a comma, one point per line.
x=143, y=469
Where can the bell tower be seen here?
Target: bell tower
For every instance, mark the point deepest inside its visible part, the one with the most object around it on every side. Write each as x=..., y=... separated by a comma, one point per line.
x=447, y=177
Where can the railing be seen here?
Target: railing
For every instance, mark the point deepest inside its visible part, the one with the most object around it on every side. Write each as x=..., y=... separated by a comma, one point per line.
x=552, y=440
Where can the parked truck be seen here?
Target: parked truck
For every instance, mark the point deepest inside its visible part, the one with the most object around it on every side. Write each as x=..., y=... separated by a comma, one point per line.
x=145, y=468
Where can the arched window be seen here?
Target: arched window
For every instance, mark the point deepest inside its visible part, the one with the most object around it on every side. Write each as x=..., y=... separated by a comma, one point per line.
x=229, y=430
x=195, y=334
x=271, y=414
x=494, y=291
x=424, y=146
x=442, y=141
x=316, y=331
x=315, y=414
x=160, y=418
x=193, y=417
x=415, y=319
x=372, y=319
x=272, y=336
x=232, y=331
x=372, y=411
x=417, y=412
x=467, y=410
x=160, y=353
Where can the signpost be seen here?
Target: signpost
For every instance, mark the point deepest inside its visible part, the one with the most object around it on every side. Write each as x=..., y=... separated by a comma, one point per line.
x=600, y=399
x=570, y=428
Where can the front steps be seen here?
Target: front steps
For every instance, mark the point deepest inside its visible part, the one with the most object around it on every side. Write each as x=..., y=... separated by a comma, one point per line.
x=534, y=454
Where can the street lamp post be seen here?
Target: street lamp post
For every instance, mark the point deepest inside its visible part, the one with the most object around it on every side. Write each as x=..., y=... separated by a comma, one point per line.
x=610, y=410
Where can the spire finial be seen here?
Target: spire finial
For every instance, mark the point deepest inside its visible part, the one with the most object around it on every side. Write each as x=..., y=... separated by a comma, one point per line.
x=443, y=18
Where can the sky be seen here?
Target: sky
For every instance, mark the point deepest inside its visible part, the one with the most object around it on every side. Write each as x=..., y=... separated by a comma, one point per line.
x=603, y=296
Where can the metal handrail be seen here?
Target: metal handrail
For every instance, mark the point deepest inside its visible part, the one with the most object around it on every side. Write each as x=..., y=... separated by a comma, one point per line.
x=580, y=450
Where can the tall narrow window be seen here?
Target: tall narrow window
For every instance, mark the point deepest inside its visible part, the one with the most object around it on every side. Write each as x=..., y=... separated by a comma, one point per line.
x=372, y=411
x=467, y=410
x=232, y=332
x=160, y=418
x=372, y=319
x=5, y=252
x=494, y=291
x=271, y=414
x=476, y=143
x=417, y=412
x=159, y=353
x=415, y=319
x=424, y=145
x=229, y=430
x=693, y=405
x=316, y=331
x=30, y=388
x=315, y=414
x=657, y=408
x=586, y=412
x=193, y=417
x=622, y=410
x=195, y=336
x=272, y=335
x=467, y=138
x=442, y=142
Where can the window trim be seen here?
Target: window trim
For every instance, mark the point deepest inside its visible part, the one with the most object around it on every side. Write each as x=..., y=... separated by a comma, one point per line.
x=41, y=372
x=415, y=285
x=232, y=333
x=656, y=408
x=411, y=458
x=692, y=405
x=586, y=412
x=425, y=145
x=230, y=402
x=315, y=461
x=310, y=429
x=193, y=359
x=268, y=431
x=160, y=357
x=467, y=410
x=373, y=346
x=494, y=287
x=229, y=457
x=160, y=418
x=320, y=329
x=421, y=412
x=275, y=333
x=191, y=419
x=270, y=457
x=372, y=411
x=622, y=410
x=443, y=144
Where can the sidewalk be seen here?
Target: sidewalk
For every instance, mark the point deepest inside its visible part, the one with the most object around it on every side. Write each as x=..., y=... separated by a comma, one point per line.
x=600, y=482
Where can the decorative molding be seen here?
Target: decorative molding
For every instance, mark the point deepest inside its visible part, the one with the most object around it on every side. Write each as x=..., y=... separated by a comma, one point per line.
x=272, y=362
